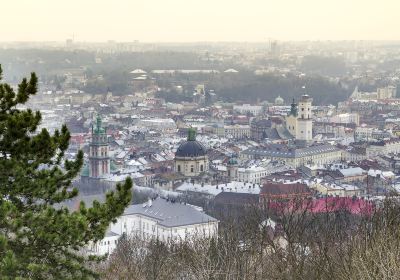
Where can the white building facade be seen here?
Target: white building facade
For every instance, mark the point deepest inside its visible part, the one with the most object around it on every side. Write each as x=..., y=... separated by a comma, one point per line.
x=166, y=221
x=255, y=110
x=160, y=219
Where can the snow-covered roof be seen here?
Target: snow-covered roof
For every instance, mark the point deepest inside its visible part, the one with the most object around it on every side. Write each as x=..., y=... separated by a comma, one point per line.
x=231, y=70
x=234, y=186
x=138, y=71
x=353, y=171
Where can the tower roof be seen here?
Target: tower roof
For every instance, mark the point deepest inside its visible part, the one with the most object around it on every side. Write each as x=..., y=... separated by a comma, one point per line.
x=279, y=100
x=306, y=98
x=191, y=134
x=233, y=160
x=98, y=129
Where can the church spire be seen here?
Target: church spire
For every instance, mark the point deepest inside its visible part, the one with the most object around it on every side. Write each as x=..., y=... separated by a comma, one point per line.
x=99, y=129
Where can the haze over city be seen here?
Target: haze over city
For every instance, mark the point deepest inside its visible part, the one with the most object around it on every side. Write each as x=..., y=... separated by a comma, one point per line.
x=199, y=139
x=193, y=21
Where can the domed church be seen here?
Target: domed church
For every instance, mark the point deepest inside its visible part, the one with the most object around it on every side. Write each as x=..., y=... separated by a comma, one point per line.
x=191, y=157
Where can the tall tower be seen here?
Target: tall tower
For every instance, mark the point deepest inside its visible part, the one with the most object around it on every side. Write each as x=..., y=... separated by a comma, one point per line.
x=232, y=168
x=99, y=160
x=304, y=121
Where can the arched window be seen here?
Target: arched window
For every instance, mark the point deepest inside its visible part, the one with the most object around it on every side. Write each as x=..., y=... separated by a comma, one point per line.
x=191, y=168
x=201, y=168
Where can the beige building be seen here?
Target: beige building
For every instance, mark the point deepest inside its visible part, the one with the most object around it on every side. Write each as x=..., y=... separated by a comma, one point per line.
x=295, y=157
x=383, y=148
x=191, y=157
x=354, y=154
x=252, y=174
x=334, y=189
x=235, y=131
x=381, y=93
x=299, y=120
x=387, y=92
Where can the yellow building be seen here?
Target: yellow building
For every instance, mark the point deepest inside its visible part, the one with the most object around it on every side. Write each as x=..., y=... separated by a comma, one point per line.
x=295, y=157
x=330, y=189
x=299, y=120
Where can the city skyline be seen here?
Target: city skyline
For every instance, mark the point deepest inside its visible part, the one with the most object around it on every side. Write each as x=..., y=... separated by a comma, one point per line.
x=193, y=21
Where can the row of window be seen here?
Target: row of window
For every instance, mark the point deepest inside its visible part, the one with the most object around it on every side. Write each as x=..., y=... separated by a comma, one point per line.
x=103, y=152
x=191, y=168
x=108, y=242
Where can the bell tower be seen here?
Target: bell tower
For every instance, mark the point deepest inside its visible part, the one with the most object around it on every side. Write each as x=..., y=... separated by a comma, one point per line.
x=304, y=130
x=99, y=160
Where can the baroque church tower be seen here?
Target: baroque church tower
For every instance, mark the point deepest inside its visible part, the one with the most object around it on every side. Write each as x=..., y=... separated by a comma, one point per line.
x=99, y=160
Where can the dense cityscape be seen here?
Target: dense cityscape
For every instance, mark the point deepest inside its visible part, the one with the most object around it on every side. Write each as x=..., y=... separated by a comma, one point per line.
x=269, y=159
x=178, y=138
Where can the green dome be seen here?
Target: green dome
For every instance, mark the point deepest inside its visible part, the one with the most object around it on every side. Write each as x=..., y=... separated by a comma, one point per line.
x=232, y=161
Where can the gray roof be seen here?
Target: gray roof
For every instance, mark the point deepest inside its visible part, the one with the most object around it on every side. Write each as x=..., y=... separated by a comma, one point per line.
x=191, y=149
x=282, y=151
x=110, y=233
x=169, y=214
x=283, y=132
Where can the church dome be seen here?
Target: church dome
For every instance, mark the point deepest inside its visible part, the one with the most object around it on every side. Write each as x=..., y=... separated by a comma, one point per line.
x=191, y=148
x=233, y=161
x=279, y=100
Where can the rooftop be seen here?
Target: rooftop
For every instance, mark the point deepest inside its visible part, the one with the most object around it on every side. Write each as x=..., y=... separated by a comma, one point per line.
x=169, y=213
x=279, y=150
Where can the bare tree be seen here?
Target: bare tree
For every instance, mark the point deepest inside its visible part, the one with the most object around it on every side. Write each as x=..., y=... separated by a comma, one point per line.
x=300, y=244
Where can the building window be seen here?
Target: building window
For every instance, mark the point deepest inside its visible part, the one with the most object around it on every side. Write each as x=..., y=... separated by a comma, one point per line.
x=191, y=169
x=201, y=168
x=179, y=168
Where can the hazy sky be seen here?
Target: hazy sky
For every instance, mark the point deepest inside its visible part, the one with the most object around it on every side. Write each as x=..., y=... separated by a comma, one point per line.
x=199, y=20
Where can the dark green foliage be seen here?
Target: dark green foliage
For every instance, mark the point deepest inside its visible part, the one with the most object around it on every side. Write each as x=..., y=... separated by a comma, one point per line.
x=330, y=66
x=249, y=88
x=38, y=240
